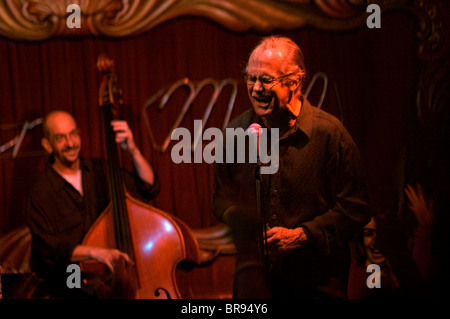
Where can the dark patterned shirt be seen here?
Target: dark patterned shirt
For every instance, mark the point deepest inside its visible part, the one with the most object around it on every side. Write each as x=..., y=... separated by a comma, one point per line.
x=59, y=216
x=319, y=185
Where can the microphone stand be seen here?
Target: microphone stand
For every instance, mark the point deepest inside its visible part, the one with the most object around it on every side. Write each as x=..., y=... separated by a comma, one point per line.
x=262, y=234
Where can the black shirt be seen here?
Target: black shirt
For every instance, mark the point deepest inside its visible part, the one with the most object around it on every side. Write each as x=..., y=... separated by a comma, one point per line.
x=59, y=216
x=320, y=186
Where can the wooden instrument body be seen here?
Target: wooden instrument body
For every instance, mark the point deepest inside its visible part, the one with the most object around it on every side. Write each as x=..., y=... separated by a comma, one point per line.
x=160, y=242
x=155, y=241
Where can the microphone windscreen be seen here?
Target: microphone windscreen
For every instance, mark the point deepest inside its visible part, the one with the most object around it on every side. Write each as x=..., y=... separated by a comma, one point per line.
x=255, y=128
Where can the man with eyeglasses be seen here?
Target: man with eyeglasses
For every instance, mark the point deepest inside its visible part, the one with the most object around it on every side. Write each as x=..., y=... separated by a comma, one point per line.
x=69, y=195
x=312, y=205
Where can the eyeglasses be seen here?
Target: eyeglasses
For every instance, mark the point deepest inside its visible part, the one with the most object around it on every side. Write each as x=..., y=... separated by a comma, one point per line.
x=58, y=138
x=267, y=81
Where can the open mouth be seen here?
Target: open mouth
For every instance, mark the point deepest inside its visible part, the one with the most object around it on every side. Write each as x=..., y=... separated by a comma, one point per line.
x=376, y=252
x=263, y=101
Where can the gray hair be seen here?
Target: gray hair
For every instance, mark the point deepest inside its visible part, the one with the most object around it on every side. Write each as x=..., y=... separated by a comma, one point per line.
x=294, y=62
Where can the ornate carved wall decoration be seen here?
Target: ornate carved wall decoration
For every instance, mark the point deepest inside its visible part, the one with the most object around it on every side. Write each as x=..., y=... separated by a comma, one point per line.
x=434, y=49
x=35, y=20
x=42, y=19
x=429, y=147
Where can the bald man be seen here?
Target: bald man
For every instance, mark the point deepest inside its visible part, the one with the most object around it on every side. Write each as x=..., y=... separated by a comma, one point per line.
x=316, y=200
x=70, y=194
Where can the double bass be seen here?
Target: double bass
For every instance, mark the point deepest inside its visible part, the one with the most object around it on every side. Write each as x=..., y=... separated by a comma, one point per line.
x=155, y=241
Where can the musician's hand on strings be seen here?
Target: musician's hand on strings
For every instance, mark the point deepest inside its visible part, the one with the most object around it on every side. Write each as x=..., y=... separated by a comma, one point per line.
x=106, y=256
x=284, y=240
x=109, y=257
x=124, y=136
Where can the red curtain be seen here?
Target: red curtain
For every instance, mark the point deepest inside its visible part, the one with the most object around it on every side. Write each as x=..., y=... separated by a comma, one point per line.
x=372, y=76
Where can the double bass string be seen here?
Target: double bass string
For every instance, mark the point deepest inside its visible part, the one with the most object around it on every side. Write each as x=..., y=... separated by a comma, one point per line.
x=121, y=224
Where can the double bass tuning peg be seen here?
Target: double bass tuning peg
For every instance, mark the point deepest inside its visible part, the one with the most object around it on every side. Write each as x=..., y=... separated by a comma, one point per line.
x=104, y=64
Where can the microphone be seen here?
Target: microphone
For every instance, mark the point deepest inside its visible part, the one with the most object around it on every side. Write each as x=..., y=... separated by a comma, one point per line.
x=255, y=129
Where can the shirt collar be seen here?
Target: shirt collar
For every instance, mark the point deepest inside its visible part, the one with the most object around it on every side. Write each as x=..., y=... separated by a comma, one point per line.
x=57, y=180
x=303, y=124
x=305, y=118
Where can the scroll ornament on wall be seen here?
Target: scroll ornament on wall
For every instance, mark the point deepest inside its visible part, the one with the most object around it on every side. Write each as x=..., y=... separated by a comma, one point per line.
x=36, y=20
x=42, y=19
